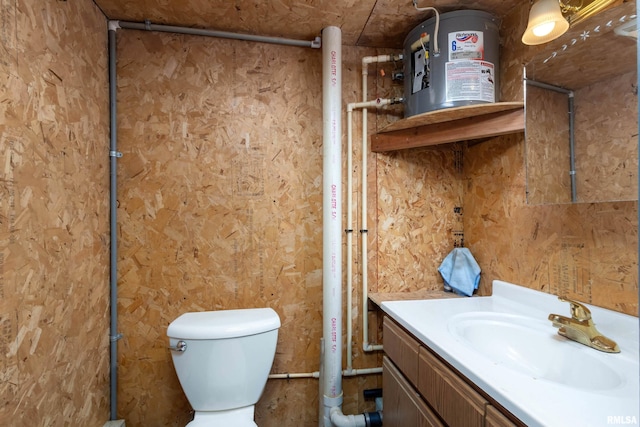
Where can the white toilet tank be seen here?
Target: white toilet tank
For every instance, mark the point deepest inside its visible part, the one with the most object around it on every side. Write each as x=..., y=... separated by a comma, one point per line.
x=227, y=358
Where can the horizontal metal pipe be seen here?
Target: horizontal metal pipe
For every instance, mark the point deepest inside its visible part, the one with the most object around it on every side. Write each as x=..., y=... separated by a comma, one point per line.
x=548, y=86
x=147, y=26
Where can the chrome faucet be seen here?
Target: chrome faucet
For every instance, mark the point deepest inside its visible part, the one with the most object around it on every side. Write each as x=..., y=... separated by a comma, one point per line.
x=580, y=328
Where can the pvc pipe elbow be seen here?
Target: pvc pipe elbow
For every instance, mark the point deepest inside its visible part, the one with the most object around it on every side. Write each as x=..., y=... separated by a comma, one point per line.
x=378, y=58
x=338, y=419
x=370, y=347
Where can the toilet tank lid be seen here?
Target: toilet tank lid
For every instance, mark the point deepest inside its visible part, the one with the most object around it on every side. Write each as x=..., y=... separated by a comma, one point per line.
x=223, y=324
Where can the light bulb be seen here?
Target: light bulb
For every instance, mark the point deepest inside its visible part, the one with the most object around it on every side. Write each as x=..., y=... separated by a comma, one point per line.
x=546, y=23
x=543, y=29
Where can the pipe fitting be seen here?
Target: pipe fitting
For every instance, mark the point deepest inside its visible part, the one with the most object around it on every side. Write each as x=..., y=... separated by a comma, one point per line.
x=114, y=25
x=338, y=419
x=373, y=419
x=367, y=347
x=382, y=58
x=373, y=59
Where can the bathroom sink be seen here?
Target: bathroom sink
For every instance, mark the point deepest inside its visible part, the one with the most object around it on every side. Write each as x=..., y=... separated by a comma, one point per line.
x=506, y=346
x=533, y=348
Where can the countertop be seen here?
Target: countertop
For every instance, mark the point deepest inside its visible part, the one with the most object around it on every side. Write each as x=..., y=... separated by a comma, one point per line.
x=542, y=378
x=379, y=297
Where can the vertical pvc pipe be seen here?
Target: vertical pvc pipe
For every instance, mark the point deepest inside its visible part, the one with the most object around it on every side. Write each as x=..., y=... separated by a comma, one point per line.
x=364, y=232
x=349, y=232
x=321, y=420
x=332, y=218
x=113, y=279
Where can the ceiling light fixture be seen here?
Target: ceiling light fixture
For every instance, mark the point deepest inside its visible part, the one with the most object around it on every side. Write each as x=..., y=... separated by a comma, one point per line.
x=546, y=23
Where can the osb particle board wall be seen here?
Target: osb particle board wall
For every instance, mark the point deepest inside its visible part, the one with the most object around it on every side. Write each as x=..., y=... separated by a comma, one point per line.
x=53, y=214
x=419, y=216
x=585, y=251
x=220, y=207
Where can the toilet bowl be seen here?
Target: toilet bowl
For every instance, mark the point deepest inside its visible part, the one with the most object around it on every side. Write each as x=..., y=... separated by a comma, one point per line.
x=222, y=359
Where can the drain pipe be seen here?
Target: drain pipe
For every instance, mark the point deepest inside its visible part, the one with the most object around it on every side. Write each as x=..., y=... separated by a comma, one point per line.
x=114, y=336
x=331, y=221
x=331, y=352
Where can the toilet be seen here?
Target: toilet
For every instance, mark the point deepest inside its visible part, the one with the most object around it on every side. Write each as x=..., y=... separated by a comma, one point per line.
x=223, y=359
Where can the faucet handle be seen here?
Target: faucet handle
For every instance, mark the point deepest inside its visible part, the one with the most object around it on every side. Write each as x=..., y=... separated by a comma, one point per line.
x=578, y=310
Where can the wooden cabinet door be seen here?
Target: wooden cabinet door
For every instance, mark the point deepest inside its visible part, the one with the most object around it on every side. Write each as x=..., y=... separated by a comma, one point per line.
x=401, y=348
x=403, y=407
x=452, y=398
x=495, y=418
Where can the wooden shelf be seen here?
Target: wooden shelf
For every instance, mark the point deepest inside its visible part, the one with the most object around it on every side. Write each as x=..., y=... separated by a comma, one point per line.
x=451, y=125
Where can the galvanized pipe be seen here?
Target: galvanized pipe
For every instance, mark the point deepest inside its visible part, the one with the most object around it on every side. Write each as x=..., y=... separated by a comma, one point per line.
x=572, y=136
x=148, y=26
x=113, y=276
x=572, y=149
x=115, y=25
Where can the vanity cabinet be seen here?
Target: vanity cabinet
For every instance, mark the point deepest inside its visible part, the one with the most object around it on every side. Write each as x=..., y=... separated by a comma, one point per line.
x=422, y=390
x=403, y=406
x=450, y=396
x=495, y=418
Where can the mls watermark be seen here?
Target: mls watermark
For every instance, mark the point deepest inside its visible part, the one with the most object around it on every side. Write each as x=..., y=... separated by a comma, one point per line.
x=622, y=420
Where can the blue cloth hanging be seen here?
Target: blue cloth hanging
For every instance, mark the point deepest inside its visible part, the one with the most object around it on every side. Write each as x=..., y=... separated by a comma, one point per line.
x=460, y=271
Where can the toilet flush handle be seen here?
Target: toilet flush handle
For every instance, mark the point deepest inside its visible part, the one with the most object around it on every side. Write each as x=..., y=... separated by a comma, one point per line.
x=180, y=346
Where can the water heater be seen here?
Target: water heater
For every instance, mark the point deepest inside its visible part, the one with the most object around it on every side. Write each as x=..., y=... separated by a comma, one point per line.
x=463, y=72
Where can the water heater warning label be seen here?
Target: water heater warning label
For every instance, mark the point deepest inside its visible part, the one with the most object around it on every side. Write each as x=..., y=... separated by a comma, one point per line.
x=470, y=80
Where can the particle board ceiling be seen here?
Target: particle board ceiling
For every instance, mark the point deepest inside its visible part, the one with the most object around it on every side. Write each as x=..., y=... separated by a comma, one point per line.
x=372, y=23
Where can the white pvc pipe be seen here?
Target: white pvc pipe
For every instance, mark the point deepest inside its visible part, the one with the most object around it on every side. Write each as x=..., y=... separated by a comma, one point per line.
x=317, y=374
x=349, y=231
x=350, y=107
x=331, y=219
x=291, y=376
x=366, y=346
x=330, y=371
x=338, y=419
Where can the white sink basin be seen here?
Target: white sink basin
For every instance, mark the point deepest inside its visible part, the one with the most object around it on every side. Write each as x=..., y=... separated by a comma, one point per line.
x=529, y=346
x=506, y=345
